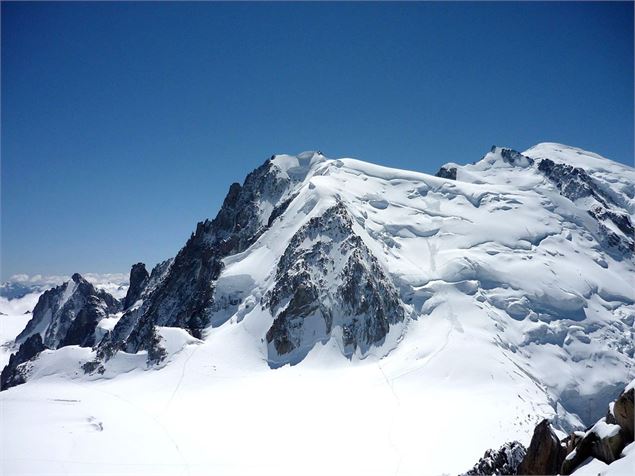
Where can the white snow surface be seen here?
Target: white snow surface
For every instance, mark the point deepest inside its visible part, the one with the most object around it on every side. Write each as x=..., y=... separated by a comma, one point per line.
x=515, y=314
x=625, y=466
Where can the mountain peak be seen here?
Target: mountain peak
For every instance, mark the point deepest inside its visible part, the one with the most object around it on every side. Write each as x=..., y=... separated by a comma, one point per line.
x=297, y=167
x=521, y=262
x=68, y=314
x=507, y=155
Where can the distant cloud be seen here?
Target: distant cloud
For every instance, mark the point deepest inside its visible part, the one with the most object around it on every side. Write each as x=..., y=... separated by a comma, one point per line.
x=20, y=285
x=55, y=280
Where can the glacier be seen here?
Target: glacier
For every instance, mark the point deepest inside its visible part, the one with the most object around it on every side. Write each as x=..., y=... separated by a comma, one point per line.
x=340, y=316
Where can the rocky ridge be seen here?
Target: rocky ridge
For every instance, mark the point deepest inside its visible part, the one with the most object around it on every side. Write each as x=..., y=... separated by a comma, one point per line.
x=328, y=278
x=68, y=314
x=183, y=294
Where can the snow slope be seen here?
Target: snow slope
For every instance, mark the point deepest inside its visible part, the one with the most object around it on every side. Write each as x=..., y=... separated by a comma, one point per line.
x=517, y=307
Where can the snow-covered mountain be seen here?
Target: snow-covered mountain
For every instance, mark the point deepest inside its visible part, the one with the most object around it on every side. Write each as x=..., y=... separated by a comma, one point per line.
x=487, y=298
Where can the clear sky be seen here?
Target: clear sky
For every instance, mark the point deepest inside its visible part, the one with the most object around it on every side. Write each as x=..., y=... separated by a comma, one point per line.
x=123, y=124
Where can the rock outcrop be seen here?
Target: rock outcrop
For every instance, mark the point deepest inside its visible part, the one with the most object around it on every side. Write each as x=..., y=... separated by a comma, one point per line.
x=577, y=185
x=622, y=412
x=14, y=372
x=603, y=441
x=328, y=278
x=512, y=156
x=447, y=173
x=116, y=339
x=545, y=453
x=548, y=455
x=68, y=314
x=505, y=460
x=138, y=280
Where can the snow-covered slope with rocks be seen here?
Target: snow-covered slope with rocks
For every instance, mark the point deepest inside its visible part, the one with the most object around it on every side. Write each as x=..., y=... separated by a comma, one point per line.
x=68, y=314
x=421, y=314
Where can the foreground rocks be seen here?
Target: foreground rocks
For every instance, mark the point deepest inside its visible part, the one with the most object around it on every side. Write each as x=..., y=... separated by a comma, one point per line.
x=545, y=453
x=622, y=413
x=548, y=455
x=603, y=441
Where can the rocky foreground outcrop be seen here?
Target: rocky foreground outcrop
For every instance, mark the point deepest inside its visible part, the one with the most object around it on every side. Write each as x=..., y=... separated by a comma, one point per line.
x=545, y=453
x=549, y=455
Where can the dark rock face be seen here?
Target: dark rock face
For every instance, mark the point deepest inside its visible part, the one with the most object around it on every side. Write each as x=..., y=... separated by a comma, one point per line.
x=592, y=445
x=82, y=329
x=334, y=280
x=65, y=315
x=604, y=441
x=116, y=339
x=513, y=157
x=447, y=173
x=184, y=296
x=502, y=461
x=574, y=183
x=623, y=413
x=68, y=314
x=626, y=241
x=279, y=210
x=138, y=279
x=14, y=374
x=545, y=453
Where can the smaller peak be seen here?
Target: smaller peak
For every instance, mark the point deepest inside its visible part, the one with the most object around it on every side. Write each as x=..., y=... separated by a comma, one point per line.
x=508, y=155
x=504, y=151
x=298, y=166
x=447, y=171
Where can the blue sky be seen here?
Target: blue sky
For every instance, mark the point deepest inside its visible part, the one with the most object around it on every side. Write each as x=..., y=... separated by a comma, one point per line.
x=123, y=124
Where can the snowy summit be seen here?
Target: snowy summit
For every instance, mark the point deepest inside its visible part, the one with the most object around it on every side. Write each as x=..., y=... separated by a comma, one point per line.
x=390, y=316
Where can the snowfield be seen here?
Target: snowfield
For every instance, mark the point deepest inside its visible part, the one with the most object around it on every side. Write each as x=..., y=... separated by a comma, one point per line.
x=216, y=400
x=518, y=302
